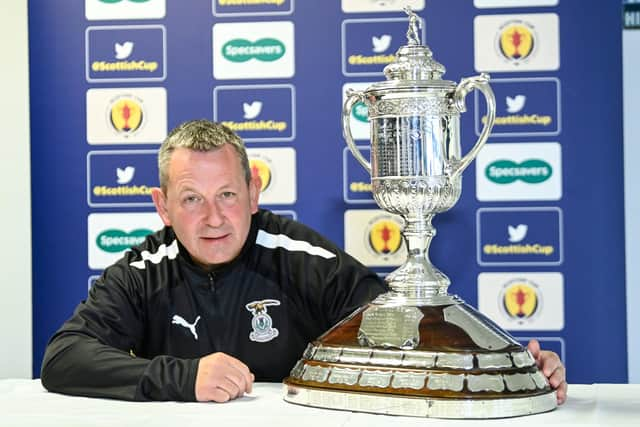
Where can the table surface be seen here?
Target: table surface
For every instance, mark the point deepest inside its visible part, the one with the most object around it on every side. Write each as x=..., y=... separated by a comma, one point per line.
x=27, y=403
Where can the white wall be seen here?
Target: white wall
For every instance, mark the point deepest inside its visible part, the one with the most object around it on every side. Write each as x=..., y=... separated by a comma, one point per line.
x=631, y=94
x=15, y=194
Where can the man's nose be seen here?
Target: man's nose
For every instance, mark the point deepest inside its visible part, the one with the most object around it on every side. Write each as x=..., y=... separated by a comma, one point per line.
x=214, y=216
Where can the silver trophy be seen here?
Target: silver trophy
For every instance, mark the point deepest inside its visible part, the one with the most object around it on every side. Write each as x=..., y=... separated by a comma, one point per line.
x=418, y=350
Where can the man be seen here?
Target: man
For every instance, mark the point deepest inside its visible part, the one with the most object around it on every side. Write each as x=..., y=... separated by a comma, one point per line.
x=224, y=295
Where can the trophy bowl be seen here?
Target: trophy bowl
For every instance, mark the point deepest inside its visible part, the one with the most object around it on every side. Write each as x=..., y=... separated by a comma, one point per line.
x=417, y=350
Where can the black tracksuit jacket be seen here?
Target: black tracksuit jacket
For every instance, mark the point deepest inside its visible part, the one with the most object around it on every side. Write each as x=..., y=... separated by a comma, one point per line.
x=151, y=316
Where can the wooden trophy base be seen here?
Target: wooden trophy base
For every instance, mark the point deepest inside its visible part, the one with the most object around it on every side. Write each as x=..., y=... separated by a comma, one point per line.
x=444, y=361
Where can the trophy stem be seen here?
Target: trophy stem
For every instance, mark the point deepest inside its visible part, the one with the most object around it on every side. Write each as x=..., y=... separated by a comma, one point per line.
x=418, y=281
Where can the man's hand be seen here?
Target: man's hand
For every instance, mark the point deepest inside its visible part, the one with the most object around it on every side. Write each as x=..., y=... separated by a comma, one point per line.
x=551, y=366
x=221, y=378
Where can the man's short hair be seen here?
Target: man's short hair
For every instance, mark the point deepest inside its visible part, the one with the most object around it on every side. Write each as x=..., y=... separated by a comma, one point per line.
x=199, y=135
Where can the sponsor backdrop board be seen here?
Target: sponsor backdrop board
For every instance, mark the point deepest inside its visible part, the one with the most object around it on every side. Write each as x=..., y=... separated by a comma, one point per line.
x=536, y=240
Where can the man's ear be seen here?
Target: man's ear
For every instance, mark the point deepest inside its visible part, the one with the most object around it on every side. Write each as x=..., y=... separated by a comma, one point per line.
x=160, y=201
x=255, y=186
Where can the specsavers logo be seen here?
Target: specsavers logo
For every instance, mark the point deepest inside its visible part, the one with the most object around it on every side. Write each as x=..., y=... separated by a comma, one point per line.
x=359, y=119
x=253, y=50
x=532, y=171
x=519, y=171
x=124, y=9
x=111, y=234
x=361, y=112
x=115, y=241
x=264, y=50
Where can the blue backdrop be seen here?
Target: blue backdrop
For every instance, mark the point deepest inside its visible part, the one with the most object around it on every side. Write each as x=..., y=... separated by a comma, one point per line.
x=109, y=79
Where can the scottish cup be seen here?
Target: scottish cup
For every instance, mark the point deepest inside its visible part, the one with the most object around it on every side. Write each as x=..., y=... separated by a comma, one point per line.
x=418, y=350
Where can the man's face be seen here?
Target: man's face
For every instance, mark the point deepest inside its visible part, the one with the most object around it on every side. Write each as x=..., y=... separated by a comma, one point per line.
x=208, y=203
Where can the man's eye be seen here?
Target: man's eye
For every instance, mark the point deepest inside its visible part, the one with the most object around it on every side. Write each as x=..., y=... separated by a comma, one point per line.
x=228, y=194
x=191, y=199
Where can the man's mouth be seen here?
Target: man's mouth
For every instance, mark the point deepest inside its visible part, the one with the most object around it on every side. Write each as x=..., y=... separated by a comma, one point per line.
x=214, y=238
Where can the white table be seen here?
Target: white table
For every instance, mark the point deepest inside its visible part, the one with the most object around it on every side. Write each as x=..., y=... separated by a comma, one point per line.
x=25, y=403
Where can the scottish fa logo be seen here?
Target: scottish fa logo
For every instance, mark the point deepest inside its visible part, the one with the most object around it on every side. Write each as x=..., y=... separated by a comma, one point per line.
x=261, y=168
x=521, y=299
x=517, y=41
x=261, y=321
x=384, y=236
x=126, y=115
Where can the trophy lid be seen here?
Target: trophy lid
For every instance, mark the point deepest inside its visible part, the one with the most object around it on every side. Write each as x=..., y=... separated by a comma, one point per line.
x=414, y=66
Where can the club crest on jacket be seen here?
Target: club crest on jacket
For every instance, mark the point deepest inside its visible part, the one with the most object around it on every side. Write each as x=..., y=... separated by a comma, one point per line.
x=261, y=321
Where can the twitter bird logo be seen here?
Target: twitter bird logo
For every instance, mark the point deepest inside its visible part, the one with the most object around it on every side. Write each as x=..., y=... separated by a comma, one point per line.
x=125, y=175
x=516, y=103
x=252, y=110
x=123, y=50
x=380, y=44
x=516, y=234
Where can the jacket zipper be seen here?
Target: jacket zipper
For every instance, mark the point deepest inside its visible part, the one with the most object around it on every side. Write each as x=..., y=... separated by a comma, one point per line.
x=212, y=284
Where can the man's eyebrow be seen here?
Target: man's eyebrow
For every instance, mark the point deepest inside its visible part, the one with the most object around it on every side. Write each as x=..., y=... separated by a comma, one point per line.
x=185, y=188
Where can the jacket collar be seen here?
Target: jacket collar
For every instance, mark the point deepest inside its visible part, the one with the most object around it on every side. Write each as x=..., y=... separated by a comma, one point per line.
x=224, y=269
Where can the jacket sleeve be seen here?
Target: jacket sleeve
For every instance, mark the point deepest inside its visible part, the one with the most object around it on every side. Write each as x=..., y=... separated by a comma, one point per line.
x=93, y=353
x=348, y=287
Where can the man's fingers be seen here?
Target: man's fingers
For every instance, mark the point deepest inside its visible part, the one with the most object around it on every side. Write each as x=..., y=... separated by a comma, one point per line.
x=232, y=361
x=550, y=363
x=246, y=381
x=215, y=394
x=245, y=372
x=552, y=368
x=232, y=388
x=242, y=370
x=534, y=348
x=252, y=378
x=221, y=377
x=557, y=377
x=561, y=393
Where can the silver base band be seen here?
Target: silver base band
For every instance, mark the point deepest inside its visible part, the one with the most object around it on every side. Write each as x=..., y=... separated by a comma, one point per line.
x=420, y=407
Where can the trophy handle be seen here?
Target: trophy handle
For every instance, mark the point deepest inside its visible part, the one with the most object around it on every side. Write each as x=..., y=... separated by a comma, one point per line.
x=465, y=86
x=353, y=97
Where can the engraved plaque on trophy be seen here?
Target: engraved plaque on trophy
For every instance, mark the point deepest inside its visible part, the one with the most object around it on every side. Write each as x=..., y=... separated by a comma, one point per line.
x=418, y=350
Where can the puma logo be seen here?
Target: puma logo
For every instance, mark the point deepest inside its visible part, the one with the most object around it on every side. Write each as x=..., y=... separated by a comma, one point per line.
x=177, y=320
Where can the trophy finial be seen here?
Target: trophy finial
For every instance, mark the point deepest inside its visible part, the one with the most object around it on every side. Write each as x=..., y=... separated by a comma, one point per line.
x=413, y=36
